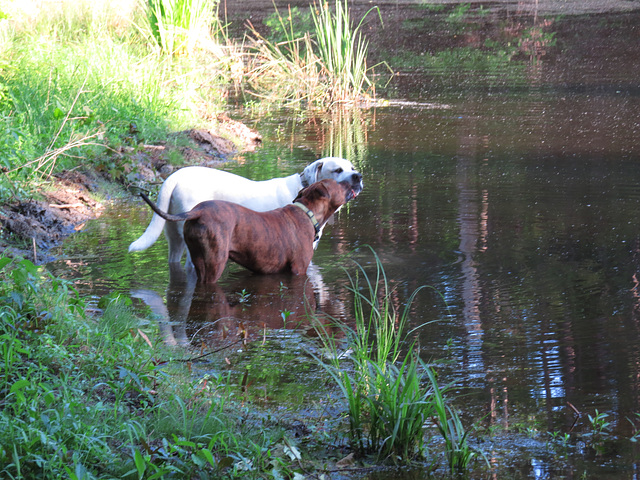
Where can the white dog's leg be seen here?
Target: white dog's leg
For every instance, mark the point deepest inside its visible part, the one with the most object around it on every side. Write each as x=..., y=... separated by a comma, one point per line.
x=175, y=239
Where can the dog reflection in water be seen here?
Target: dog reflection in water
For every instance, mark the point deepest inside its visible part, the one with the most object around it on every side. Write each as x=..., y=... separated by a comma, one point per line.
x=197, y=314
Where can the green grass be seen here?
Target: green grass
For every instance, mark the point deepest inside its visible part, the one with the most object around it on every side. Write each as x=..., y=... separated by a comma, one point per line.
x=84, y=397
x=178, y=25
x=75, y=89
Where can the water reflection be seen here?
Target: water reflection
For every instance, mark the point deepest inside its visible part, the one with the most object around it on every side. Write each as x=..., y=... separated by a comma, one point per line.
x=470, y=226
x=242, y=307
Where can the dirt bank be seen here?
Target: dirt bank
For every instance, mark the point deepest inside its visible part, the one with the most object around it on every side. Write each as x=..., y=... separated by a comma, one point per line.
x=29, y=228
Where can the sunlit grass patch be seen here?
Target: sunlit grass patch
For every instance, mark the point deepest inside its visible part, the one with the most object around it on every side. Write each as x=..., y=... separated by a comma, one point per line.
x=77, y=85
x=178, y=25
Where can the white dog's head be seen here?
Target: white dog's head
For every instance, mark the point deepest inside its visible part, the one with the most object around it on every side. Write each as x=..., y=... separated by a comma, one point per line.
x=336, y=168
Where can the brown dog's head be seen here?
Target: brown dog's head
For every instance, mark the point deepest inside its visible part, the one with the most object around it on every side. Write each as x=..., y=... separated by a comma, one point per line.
x=323, y=198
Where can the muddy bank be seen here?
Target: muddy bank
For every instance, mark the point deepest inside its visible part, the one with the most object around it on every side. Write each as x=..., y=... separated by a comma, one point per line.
x=30, y=228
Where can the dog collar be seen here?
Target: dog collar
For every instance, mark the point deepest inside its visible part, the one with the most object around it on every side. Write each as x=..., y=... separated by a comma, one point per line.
x=311, y=216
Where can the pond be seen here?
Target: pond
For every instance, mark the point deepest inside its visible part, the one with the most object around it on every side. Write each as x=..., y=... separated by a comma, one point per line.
x=513, y=195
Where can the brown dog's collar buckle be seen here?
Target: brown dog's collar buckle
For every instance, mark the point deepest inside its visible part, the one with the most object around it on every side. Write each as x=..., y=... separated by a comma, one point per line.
x=311, y=216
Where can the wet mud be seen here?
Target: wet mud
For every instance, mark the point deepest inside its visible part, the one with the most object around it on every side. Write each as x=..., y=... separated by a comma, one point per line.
x=31, y=228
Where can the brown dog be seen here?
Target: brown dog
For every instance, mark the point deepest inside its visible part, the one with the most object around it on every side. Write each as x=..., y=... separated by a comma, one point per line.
x=276, y=241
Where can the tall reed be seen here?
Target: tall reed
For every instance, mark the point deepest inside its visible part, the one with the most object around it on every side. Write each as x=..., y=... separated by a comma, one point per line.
x=342, y=50
x=287, y=71
x=324, y=67
x=387, y=403
x=458, y=452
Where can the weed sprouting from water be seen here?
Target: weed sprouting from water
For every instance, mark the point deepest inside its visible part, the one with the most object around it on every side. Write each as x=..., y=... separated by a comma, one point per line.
x=458, y=452
x=599, y=422
x=389, y=399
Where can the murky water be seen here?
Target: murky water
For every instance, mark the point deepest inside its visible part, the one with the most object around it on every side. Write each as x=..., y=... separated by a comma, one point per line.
x=517, y=202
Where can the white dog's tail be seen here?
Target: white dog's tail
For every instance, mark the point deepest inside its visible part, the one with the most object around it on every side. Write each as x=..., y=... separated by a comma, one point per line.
x=156, y=225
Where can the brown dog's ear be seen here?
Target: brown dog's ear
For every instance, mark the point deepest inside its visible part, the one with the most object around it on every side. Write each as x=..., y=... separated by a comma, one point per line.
x=300, y=194
x=323, y=190
x=315, y=190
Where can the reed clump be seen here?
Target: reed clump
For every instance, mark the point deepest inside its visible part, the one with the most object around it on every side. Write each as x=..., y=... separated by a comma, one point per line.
x=391, y=395
x=324, y=67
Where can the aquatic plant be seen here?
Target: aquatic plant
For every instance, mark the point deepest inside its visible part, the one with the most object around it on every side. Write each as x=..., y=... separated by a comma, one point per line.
x=342, y=50
x=398, y=406
x=325, y=68
x=599, y=423
x=286, y=71
x=387, y=403
x=458, y=452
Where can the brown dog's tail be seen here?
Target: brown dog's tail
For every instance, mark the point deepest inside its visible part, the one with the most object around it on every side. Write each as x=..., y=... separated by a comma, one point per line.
x=167, y=216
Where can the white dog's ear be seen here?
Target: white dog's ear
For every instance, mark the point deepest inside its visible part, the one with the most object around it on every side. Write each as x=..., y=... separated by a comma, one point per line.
x=318, y=170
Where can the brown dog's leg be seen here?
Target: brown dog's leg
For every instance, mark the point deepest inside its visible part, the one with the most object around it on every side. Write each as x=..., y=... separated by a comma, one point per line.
x=209, y=248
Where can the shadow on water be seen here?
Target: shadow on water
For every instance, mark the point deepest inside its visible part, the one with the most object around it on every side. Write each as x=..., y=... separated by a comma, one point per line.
x=518, y=203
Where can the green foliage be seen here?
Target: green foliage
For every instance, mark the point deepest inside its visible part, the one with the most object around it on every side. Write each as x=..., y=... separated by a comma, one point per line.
x=297, y=23
x=399, y=406
x=387, y=401
x=87, y=398
x=458, y=452
x=177, y=25
x=342, y=50
x=459, y=12
x=599, y=422
x=322, y=64
x=76, y=89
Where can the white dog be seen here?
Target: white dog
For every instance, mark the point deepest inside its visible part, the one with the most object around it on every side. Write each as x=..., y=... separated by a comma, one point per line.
x=189, y=186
